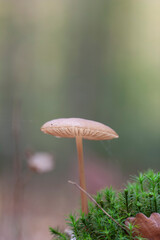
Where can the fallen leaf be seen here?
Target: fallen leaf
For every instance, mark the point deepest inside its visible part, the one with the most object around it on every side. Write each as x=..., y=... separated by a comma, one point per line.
x=145, y=227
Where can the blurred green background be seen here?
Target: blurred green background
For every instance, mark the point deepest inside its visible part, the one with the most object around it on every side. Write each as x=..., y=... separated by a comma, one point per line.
x=97, y=60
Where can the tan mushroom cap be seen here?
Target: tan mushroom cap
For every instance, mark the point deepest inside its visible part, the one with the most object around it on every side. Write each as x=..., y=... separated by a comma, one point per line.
x=73, y=127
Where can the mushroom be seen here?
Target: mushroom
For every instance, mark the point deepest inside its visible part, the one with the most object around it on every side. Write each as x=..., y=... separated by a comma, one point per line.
x=41, y=162
x=79, y=128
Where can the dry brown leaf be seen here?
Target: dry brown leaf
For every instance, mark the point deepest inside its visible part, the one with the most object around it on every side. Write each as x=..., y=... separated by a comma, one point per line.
x=145, y=227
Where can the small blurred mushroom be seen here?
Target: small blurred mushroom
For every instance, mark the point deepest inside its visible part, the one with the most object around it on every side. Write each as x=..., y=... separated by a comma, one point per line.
x=148, y=228
x=41, y=162
x=79, y=128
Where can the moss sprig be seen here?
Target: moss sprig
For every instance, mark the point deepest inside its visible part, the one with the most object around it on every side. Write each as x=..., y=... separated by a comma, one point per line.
x=141, y=194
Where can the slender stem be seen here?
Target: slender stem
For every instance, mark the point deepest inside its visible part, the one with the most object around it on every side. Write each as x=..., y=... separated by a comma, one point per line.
x=93, y=200
x=18, y=191
x=81, y=174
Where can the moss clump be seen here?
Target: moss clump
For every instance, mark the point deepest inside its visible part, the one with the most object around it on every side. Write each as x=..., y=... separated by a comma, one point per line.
x=142, y=194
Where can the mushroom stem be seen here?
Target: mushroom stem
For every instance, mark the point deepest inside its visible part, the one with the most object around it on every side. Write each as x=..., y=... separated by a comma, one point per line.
x=81, y=174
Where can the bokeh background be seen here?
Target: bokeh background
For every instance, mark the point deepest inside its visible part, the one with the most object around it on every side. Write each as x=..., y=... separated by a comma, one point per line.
x=97, y=60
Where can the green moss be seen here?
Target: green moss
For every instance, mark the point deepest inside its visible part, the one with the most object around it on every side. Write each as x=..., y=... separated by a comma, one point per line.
x=142, y=194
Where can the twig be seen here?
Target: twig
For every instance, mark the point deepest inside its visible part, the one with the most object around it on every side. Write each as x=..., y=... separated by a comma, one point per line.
x=93, y=200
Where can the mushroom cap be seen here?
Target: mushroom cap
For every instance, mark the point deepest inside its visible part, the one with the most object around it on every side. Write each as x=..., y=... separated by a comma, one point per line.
x=41, y=162
x=73, y=127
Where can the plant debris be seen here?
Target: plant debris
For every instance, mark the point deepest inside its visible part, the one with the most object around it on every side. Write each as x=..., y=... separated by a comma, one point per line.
x=145, y=227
